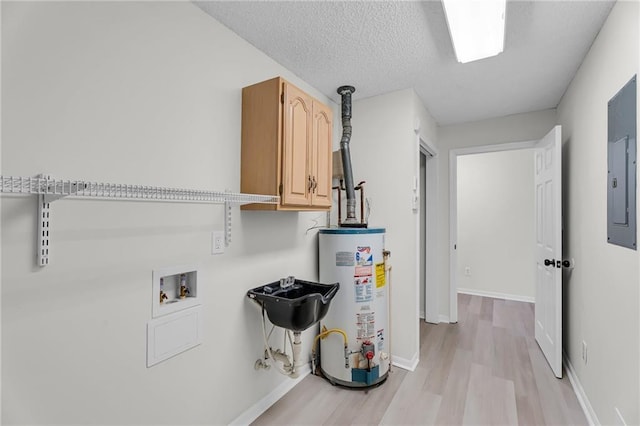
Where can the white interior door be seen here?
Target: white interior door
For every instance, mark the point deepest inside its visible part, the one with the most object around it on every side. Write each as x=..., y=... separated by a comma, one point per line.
x=548, y=305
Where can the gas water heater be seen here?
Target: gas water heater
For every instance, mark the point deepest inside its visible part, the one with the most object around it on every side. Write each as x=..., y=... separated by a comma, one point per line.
x=354, y=258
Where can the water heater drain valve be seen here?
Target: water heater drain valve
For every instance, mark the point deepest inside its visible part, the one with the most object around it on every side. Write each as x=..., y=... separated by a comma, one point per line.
x=368, y=350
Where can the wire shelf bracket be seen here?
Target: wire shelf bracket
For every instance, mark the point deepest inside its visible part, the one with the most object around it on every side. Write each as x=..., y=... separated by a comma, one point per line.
x=227, y=223
x=49, y=189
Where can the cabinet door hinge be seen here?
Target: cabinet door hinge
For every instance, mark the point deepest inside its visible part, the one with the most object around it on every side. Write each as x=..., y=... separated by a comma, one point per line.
x=280, y=189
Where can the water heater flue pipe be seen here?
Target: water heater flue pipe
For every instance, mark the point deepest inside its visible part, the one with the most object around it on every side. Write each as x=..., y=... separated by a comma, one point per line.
x=345, y=92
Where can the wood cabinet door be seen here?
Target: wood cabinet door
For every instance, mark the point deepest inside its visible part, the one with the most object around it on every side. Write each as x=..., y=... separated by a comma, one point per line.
x=321, y=166
x=297, y=128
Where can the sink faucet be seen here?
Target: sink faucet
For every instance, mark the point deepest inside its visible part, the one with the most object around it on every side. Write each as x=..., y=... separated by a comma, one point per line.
x=287, y=282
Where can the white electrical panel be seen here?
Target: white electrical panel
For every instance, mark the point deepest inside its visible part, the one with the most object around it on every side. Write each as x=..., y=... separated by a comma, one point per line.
x=622, y=167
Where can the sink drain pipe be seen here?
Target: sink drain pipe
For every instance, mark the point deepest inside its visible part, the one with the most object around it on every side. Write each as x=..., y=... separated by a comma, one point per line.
x=290, y=364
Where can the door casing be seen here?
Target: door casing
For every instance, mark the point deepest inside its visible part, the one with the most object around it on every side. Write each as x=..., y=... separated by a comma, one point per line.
x=427, y=259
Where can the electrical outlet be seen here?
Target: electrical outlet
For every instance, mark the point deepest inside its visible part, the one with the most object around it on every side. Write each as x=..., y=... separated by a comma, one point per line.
x=467, y=271
x=584, y=351
x=217, y=242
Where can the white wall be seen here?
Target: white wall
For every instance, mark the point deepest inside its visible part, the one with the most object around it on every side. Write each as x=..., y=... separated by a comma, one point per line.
x=384, y=150
x=514, y=128
x=496, y=233
x=141, y=93
x=601, y=298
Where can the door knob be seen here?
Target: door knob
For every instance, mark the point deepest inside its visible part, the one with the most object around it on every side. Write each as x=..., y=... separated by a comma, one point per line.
x=549, y=262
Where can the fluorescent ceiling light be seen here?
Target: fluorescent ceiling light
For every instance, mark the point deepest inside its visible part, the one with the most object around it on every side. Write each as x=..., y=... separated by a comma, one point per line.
x=476, y=27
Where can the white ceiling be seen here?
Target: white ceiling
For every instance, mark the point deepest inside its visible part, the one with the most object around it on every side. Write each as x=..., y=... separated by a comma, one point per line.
x=382, y=46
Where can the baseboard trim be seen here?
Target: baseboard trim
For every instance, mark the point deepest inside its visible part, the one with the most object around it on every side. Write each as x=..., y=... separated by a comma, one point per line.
x=514, y=297
x=439, y=319
x=621, y=419
x=406, y=364
x=589, y=413
x=263, y=405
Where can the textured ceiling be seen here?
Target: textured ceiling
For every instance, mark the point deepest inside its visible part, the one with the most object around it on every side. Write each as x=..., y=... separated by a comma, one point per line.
x=382, y=46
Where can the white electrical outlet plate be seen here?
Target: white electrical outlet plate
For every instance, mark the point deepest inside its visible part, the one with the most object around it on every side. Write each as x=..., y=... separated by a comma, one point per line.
x=415, y=201
x=217, y=242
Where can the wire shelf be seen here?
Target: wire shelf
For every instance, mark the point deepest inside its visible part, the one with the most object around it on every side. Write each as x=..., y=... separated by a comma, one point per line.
x=48, y=190
x=57, y=188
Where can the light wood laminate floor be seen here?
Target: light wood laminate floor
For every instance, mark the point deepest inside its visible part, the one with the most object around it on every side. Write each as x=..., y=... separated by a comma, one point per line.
x=485, y=370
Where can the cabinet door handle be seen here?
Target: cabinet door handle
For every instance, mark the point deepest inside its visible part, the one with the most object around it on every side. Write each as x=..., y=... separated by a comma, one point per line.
x=315, y=184
x=310, y=184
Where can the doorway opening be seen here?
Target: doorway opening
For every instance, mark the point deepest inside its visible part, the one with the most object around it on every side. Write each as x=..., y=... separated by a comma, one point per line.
x=546, y=186
x=489, y=253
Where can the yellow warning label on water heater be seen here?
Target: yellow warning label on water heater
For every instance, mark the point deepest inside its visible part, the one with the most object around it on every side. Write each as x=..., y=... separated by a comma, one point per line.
x=380, y=277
